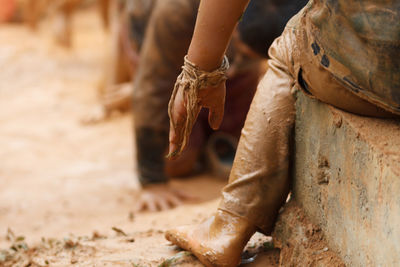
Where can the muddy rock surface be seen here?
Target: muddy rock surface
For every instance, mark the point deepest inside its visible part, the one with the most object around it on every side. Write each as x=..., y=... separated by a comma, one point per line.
x=301, y=242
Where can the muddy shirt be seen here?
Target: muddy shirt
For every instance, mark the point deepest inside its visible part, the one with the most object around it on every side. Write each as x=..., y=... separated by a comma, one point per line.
x=359, y=43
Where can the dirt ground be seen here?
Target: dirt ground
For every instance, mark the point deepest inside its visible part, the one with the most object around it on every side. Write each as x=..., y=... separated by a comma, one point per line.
x=67, y=190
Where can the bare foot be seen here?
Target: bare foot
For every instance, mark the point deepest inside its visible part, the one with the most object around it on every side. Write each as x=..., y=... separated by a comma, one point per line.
x=219, y=241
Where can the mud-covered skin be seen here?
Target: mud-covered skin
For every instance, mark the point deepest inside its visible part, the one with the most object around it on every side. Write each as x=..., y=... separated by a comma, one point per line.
x=224, y=236
x=359, y=43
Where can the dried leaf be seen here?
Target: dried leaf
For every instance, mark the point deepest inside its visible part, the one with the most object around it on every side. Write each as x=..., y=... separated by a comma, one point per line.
x=119, y=231
x=20, y=238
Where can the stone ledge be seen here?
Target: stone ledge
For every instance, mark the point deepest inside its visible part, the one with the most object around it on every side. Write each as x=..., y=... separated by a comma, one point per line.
x=347, y=179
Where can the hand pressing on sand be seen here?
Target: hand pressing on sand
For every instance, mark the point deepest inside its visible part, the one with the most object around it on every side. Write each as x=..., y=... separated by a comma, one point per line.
x=159, y=197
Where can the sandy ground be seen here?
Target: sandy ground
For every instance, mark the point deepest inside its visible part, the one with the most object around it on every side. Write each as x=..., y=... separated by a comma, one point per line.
x=65, y=185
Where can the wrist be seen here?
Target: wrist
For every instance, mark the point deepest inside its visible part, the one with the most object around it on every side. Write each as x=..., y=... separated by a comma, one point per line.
x=190, y=82
x=205, y=60
x=200, y=78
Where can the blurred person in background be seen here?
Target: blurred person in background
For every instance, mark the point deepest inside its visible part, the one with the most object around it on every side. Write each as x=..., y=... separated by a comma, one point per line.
x=62, y=11
x=128, y=22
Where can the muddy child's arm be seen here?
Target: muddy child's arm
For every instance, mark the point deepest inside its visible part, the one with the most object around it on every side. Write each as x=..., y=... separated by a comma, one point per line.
x=215, y=23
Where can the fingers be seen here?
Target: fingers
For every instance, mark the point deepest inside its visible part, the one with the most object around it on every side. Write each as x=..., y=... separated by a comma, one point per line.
x=152, y=205
x=140, y=206
x=216, y=110
x=174, y=201
x=176, y=137
x=177, y=123
x=179, y=135
x=214, y=99
x=146, y=202
x=160, y=203
x=162, y=200
x=173, y=143
x=163, y=204
x=215, y=116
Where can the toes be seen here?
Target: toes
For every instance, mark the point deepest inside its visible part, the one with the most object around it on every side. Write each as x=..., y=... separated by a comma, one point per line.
x=177, y=238
x=170, y=235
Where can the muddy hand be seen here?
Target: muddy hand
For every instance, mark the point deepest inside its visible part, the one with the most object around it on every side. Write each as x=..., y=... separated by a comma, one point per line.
x=184, y=112
x=193, y=90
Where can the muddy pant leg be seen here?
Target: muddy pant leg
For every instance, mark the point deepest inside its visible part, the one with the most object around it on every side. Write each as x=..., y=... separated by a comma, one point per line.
x=259, y=181
x=166, y=42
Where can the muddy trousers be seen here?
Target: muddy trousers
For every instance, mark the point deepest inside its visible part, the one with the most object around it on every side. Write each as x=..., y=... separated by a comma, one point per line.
x=260, y=178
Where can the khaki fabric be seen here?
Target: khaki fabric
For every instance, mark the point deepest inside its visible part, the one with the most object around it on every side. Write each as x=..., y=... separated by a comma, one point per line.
x=359, y=43
x=259, y=180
